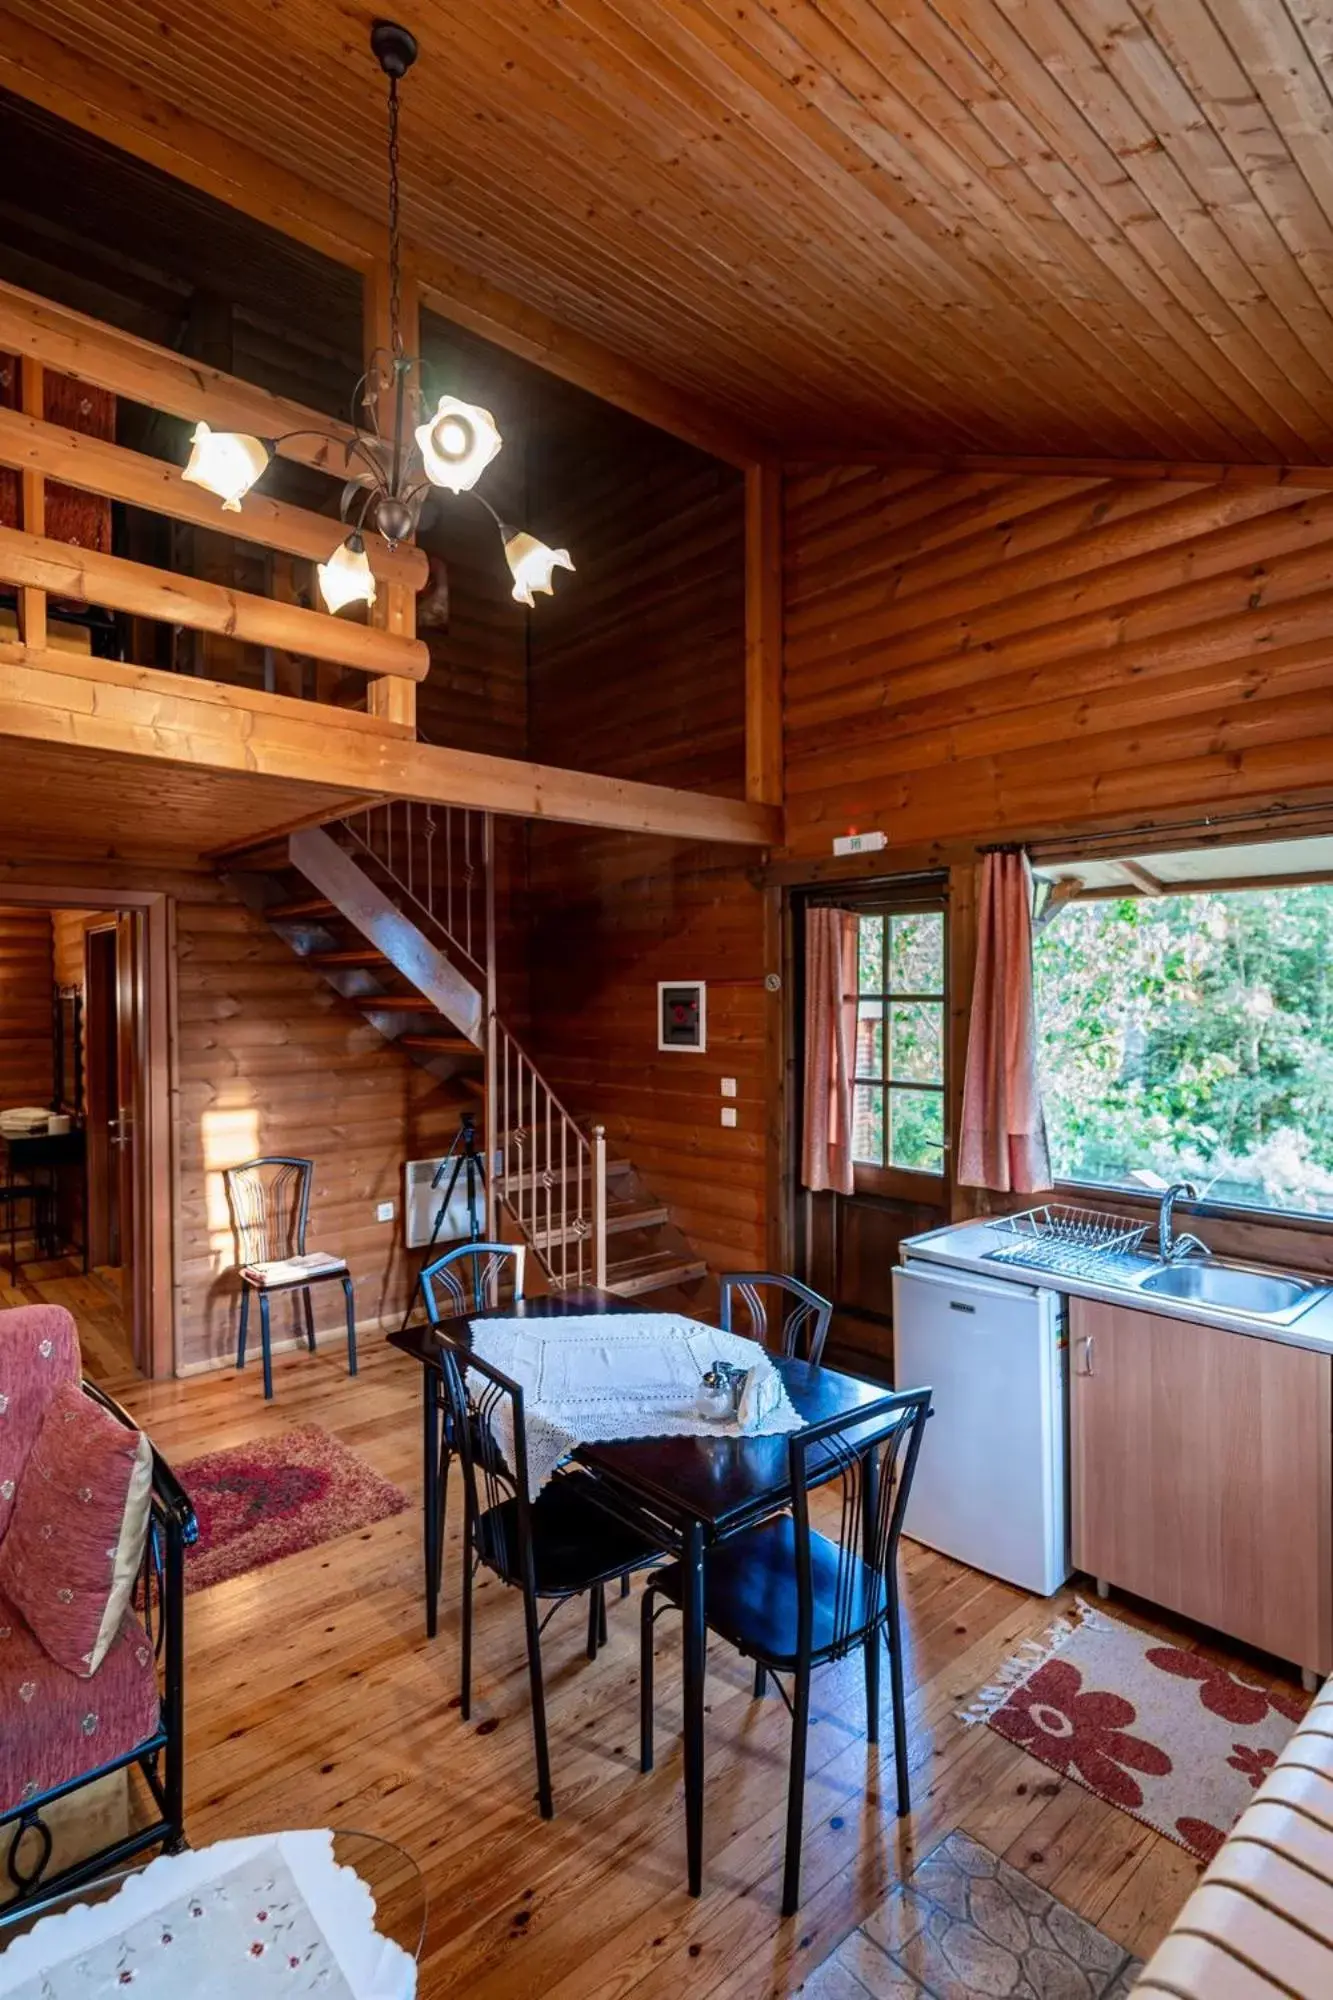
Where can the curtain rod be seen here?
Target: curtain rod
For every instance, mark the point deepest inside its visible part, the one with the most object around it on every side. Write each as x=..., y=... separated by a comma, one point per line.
x=1257, y=816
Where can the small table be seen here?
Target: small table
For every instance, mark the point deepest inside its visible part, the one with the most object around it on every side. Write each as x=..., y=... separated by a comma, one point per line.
x=47, y=1152
x=687, y=1492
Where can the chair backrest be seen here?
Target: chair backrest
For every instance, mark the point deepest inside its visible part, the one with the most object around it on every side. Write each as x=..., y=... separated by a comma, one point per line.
x=801, y=1330
x=484, y=1406
x=469, y=1278
x=269, y=1200
x=862, y=1463
x=39, y=1352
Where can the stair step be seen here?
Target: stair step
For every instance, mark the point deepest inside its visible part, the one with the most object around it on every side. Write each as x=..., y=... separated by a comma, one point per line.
x=394, y=1003
x=618, y=1222
x=653, y=1273
x=560, y=1175
x=348, y=955
x=299, y=906
x=441, y=1045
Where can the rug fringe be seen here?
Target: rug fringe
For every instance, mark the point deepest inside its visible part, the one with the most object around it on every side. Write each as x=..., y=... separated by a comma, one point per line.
x=1023, y=1663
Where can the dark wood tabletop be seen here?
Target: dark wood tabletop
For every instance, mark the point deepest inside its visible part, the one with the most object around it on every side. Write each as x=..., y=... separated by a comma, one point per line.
x=720, y=1482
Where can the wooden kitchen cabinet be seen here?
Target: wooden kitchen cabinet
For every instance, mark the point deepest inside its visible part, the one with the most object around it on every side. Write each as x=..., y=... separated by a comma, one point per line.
x=1202, y=1475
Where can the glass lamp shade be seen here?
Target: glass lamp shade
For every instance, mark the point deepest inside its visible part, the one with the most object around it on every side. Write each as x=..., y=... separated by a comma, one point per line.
x=346, y=577
x=457, y=444
x=531, y=564
x=226, y=463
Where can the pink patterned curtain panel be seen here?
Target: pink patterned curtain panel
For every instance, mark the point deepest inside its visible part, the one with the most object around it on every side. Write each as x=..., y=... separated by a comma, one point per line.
x=1003, y=1138
x=830, y=1043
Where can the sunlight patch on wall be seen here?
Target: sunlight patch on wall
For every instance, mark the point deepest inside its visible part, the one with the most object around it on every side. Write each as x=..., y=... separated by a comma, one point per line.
x=230, y=1134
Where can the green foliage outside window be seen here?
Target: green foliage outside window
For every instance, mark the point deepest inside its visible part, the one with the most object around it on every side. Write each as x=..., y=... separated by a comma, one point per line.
x=1191, y=1037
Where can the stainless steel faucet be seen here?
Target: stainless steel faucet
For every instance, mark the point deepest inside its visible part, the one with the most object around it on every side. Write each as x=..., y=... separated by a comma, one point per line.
x=1171, y=1248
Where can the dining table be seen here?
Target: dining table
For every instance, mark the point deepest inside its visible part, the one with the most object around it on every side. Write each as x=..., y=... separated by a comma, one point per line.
x=688, y=1493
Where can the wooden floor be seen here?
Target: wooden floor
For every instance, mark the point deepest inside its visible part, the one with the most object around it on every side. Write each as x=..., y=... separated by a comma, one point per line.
x=314, y=1698
x=94, y=1298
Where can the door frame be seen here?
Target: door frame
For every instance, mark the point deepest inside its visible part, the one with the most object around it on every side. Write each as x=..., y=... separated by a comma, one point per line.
x=154, y=1220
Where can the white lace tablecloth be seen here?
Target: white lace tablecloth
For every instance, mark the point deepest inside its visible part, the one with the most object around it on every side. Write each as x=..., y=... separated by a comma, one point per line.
x=273, y=1915
x=589, y=1378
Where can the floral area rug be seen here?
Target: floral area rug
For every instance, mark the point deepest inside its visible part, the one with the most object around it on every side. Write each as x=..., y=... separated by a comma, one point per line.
x=259, y=1502
x=1176, y=1740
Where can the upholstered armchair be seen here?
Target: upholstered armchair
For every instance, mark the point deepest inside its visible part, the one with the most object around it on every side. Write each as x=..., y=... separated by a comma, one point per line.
x=93, y=1530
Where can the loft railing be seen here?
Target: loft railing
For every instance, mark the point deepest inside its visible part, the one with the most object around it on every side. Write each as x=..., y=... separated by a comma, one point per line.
x=50, y=338
x=437, y=863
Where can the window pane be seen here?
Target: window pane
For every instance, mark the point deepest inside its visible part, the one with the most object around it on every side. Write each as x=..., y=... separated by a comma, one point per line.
x=916, y=1041
x=916, y=1130
x=916, y=953
x=868, y=1125
x=870, y=957
x=870, y=1038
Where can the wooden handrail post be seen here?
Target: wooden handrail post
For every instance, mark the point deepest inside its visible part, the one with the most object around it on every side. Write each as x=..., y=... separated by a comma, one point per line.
x=599, y=1207
x=395, y=606
x=32, y=507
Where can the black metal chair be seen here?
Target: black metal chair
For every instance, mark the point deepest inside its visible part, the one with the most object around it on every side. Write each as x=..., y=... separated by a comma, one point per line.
x=269, y=1200
x=791, y=1599
x=805, y=1322
x=160, y=1758
x=553, y=1547
x=471, y=1277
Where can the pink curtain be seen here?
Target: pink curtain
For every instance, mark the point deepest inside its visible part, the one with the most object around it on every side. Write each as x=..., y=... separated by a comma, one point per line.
x=830, y=1044
x=1003, y=1139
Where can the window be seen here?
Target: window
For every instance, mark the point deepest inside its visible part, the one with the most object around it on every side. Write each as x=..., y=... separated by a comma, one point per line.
x=898, y=1117
x=1190, y=1037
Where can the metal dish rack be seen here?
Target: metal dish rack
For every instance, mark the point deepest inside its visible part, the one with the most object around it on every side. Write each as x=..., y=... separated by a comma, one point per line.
x=1076, y=1242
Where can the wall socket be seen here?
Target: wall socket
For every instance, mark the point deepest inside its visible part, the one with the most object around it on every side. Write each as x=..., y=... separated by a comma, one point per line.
x=728, y=1114
x=728, y=1086
x=384, y=1211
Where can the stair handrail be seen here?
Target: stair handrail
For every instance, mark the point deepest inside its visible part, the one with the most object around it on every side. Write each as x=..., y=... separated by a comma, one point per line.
x=538, y=1153
x=449, y=894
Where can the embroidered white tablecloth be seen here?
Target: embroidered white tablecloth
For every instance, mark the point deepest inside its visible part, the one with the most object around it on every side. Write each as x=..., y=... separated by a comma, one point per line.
x=274, y=1915
x=590, y=1378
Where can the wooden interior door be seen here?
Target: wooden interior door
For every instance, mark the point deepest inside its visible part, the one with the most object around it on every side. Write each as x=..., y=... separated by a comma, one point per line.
x=127, y=1150
x=1201, y=1475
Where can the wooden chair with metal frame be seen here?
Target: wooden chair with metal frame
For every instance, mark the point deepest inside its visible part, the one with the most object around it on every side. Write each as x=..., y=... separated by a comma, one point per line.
x=791, y=1599
x=805, y=1322
x=269, y=1200
x=553, y=1546
x=471, y=1276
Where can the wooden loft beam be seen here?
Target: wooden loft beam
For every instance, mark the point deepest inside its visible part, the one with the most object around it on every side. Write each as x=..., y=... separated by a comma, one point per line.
x=112, y=710
x=1190, y=472
x=763, y=633
x=121, y=112
x=96, y=466
x=34, y=562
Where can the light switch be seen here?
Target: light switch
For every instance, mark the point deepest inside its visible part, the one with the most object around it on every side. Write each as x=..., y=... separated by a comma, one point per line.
x=728, y=1086
x=728, y=1114
x=384, y=1211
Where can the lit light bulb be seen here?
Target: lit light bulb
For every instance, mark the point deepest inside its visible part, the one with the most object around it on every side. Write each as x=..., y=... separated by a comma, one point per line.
x=531, y=563
x=457, y=444
x=346, y=577
x=226, y=463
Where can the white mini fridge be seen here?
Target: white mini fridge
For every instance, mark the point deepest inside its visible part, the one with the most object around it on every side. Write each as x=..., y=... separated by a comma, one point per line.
x=991, y=1485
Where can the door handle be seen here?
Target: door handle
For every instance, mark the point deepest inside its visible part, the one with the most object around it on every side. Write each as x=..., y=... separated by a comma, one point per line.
x=1085, y=1346
x=119, y=1136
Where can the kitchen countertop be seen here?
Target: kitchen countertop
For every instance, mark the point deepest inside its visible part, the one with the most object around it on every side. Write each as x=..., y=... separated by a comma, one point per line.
x=963, y=1246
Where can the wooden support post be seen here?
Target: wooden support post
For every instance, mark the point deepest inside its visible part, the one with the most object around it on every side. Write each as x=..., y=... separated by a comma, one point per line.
x=599, y=1207
x=32, y=507
x=763, y=633
x=395, y=606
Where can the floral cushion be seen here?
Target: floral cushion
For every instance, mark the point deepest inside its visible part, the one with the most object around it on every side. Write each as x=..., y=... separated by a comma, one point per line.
x=39, y=1350
x=57, y=1725
x=76, y=1535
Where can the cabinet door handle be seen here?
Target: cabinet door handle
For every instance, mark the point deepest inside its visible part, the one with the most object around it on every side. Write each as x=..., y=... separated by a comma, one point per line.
x=1086, y=1345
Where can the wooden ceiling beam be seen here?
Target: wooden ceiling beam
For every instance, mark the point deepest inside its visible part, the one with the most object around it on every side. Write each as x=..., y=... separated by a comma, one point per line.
x=1033, y=465
x=113, y=710
x=71, y=85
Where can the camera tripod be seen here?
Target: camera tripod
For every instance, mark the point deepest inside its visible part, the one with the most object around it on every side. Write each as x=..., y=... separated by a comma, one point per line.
x=462, y=1159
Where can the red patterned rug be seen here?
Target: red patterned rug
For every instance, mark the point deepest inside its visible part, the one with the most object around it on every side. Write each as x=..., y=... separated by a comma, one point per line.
x=1172, y=1738
x=259, y=1502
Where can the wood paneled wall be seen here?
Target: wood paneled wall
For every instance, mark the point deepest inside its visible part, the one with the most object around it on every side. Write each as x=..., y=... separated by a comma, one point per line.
x=637, y=670
x=271, y=1060
x=981, y=656
x=26, y=1053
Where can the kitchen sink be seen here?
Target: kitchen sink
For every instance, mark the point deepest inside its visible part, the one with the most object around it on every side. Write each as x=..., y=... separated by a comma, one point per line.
x=1235, y=1288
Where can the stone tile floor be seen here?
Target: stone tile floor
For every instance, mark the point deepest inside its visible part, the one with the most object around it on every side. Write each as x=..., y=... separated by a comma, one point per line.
x=967, y=1926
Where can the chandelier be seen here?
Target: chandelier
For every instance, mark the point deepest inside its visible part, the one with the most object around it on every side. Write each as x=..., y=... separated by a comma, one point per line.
x=388, y=478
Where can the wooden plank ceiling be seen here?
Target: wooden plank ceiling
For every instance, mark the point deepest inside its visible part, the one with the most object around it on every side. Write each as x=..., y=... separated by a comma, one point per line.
x=1036, y=225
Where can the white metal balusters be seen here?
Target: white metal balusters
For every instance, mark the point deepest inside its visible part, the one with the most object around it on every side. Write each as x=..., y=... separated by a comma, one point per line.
x=437, y=859
x=550, y=1173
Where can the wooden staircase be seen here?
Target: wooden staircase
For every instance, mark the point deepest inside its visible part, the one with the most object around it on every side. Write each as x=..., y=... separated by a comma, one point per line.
x=394, y=908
